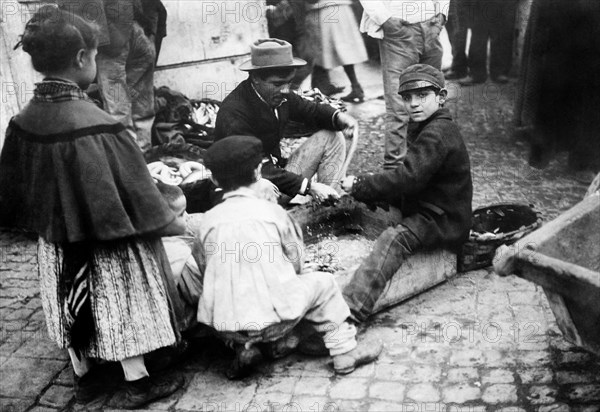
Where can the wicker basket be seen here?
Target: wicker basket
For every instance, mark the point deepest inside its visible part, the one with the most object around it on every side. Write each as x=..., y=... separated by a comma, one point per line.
x=493, y=226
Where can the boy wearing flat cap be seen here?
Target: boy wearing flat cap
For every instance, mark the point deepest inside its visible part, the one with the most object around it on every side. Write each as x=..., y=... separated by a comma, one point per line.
x=254, y=256
x=262, y=105
x=432, y=188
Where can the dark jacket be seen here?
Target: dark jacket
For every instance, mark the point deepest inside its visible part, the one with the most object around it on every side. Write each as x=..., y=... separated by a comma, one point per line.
x=244, y=113
x=433, y=186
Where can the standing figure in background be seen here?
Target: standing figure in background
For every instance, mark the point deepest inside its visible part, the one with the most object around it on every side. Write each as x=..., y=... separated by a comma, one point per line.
x=131, y=32
x=458, y=26
x=409, y=34
x=493, y=20
x=287, y=21
x=332, y=27
x=562, y=43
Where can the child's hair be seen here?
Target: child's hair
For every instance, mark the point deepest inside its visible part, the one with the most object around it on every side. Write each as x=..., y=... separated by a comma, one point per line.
x=53, y=37
x=169, y=192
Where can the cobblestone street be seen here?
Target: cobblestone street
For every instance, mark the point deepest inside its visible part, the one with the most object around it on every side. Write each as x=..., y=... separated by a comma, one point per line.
x=478, y=342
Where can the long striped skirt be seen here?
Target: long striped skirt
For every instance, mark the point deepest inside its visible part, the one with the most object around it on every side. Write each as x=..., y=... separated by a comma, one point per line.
x=129, y=302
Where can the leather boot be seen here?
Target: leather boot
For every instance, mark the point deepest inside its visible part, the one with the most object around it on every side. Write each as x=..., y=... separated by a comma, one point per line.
x=357, y=95
x=135, y=394
x=365, y=352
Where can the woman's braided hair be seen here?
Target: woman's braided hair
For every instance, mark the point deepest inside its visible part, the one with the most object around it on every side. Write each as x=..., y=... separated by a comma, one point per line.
x=53, y=37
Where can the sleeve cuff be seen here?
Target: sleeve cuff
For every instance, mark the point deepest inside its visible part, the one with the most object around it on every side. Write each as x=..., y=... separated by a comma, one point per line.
x=304, y=187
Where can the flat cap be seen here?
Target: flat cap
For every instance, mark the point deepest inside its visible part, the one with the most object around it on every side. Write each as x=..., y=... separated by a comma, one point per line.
x=233, y=155
x=419, y=76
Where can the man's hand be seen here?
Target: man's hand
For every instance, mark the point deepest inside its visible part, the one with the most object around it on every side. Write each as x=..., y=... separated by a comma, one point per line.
x=321, y=192
x=347, y=124
x=439, y=19
x=348, y=183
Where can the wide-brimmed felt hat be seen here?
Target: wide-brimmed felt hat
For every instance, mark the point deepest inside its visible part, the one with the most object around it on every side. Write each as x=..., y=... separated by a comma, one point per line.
x=271, y=53
x=419, y=76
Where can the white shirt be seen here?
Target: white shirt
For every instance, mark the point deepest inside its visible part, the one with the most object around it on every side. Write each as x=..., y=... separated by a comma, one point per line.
x=377, y=12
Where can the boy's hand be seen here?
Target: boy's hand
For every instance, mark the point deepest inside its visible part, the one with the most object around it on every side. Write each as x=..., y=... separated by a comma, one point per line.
x=348, y=183
x=347, y=124
x=321, y=192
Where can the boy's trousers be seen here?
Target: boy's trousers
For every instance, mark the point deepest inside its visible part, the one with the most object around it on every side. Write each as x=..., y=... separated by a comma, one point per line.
x=391, y=248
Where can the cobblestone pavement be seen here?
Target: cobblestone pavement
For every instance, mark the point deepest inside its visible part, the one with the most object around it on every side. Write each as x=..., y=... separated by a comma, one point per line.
x=479, y=342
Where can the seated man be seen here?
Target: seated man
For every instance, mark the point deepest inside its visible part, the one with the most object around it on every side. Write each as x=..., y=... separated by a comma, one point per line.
x=432, y=187
x=262, y=105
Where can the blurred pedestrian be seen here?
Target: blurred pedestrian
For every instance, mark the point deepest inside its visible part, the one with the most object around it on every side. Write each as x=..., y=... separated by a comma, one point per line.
x=131, y=32
x=557, y=102
x=287, y=21
x=458, y=27
x=332, y=26
x=493, y=20
x=409, y=34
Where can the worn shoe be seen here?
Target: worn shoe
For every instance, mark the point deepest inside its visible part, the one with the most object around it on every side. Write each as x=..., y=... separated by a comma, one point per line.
x=471, y=81
x=135, y=394
x=244, y=362
x=88, y=387
x=453, y=75
x=502, y=79
x=330, y=89
x=357, y=95
x=281, y=347
x=365, y=352
x=168, y=357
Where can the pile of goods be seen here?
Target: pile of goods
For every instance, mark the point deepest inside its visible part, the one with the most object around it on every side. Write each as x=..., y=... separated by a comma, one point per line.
x=178, y=172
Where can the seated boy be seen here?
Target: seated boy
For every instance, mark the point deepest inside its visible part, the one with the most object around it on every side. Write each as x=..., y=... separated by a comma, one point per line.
x=253, y=277
x=187, y=275
x=432, y=188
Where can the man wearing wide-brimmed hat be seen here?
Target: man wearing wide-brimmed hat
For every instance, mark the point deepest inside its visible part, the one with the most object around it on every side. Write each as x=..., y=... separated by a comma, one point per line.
x=262, y=105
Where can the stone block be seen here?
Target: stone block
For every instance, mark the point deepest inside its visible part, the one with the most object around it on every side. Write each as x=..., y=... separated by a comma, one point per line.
x=583, y=393
x=313, y=403
x=284, y=384
x=423, y=392
x=41, y=348
x=272, y=402
x=315, y=386
x=460, y=393
x=57, y=397
x=15, y=405
x=468, y=357
x=349, y=388
x=217, y=393
x=26, y=377
x=542, y=395
x=500, y=393
x=390, y=391
x=418, y=273
x=459, y=375
x=498, y=376
x=536, y=375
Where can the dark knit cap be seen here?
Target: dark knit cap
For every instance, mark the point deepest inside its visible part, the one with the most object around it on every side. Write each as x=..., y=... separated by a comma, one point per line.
x=419, y=76
x=234, y=155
